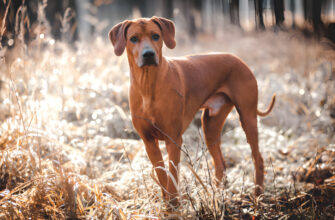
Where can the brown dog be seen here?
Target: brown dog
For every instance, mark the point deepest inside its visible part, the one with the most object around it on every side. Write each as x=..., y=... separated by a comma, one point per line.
x=165, y=94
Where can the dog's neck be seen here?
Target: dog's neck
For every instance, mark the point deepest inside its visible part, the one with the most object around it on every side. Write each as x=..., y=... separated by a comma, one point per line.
x=145, y=78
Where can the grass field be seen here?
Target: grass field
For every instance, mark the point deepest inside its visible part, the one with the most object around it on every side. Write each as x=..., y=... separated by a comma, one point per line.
x=68, y=149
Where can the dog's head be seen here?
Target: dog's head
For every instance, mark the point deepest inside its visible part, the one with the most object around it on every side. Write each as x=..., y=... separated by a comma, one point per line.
x=143, y=38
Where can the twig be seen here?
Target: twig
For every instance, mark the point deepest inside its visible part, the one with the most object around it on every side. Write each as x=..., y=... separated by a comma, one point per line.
x=3, y=27
x=274, y=183
x=198, y=178
x=18, y=102
x=213, y=191
x=190, y=199
x=241, y=193
x=127, y=156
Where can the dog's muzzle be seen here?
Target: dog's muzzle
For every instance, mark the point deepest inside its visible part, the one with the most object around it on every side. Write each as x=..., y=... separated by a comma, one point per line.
x=148, y=58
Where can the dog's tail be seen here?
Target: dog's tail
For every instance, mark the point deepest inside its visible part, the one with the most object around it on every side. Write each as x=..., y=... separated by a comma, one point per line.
x=269, y=108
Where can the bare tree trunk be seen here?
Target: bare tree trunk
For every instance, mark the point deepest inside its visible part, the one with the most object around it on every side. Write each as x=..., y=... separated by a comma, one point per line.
x=259, y=14
x=316, y=15
x=167, y=8
x=279, y=11
x=188, y=9
x=312, y=13
x=234, y=12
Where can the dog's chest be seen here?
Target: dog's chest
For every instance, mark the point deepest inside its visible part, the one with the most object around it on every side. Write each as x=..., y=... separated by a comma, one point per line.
x=150, y=120
x=152, y=110
x=160, y=115
x=148, y=105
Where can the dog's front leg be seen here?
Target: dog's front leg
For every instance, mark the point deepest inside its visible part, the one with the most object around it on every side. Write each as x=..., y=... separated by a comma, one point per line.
x=173, y=150
x=155, y=156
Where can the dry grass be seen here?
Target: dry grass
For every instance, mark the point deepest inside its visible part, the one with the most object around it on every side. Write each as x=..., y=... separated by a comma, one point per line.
x=68, y=149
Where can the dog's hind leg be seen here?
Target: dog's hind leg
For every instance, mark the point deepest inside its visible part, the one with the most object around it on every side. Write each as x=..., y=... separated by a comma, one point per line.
x=212, y=127
x=249, y=124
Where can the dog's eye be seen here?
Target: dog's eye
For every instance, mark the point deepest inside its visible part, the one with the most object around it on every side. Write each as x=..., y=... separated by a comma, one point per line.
x=155, y=37
x=134, y=39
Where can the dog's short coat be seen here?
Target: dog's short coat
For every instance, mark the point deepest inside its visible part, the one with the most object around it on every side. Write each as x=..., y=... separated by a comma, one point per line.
x=166, y=93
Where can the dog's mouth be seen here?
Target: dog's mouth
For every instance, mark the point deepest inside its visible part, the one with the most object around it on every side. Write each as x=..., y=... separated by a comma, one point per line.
x=149, y=62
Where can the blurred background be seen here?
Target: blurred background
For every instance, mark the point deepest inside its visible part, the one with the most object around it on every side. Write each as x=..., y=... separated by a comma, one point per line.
x=71, y=20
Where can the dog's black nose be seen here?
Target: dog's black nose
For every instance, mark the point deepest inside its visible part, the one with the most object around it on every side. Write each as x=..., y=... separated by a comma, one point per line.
x=148, y=57
x=148, y=54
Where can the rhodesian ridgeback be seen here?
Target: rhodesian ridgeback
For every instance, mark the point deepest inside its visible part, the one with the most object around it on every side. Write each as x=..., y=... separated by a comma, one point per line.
x=166, y=93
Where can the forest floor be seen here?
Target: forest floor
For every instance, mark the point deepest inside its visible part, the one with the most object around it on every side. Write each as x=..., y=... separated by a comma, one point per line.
x=68, y=148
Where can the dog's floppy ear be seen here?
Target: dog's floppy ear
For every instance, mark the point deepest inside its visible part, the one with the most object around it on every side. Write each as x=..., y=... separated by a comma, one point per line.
x=117, y=35
x=168, y=30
